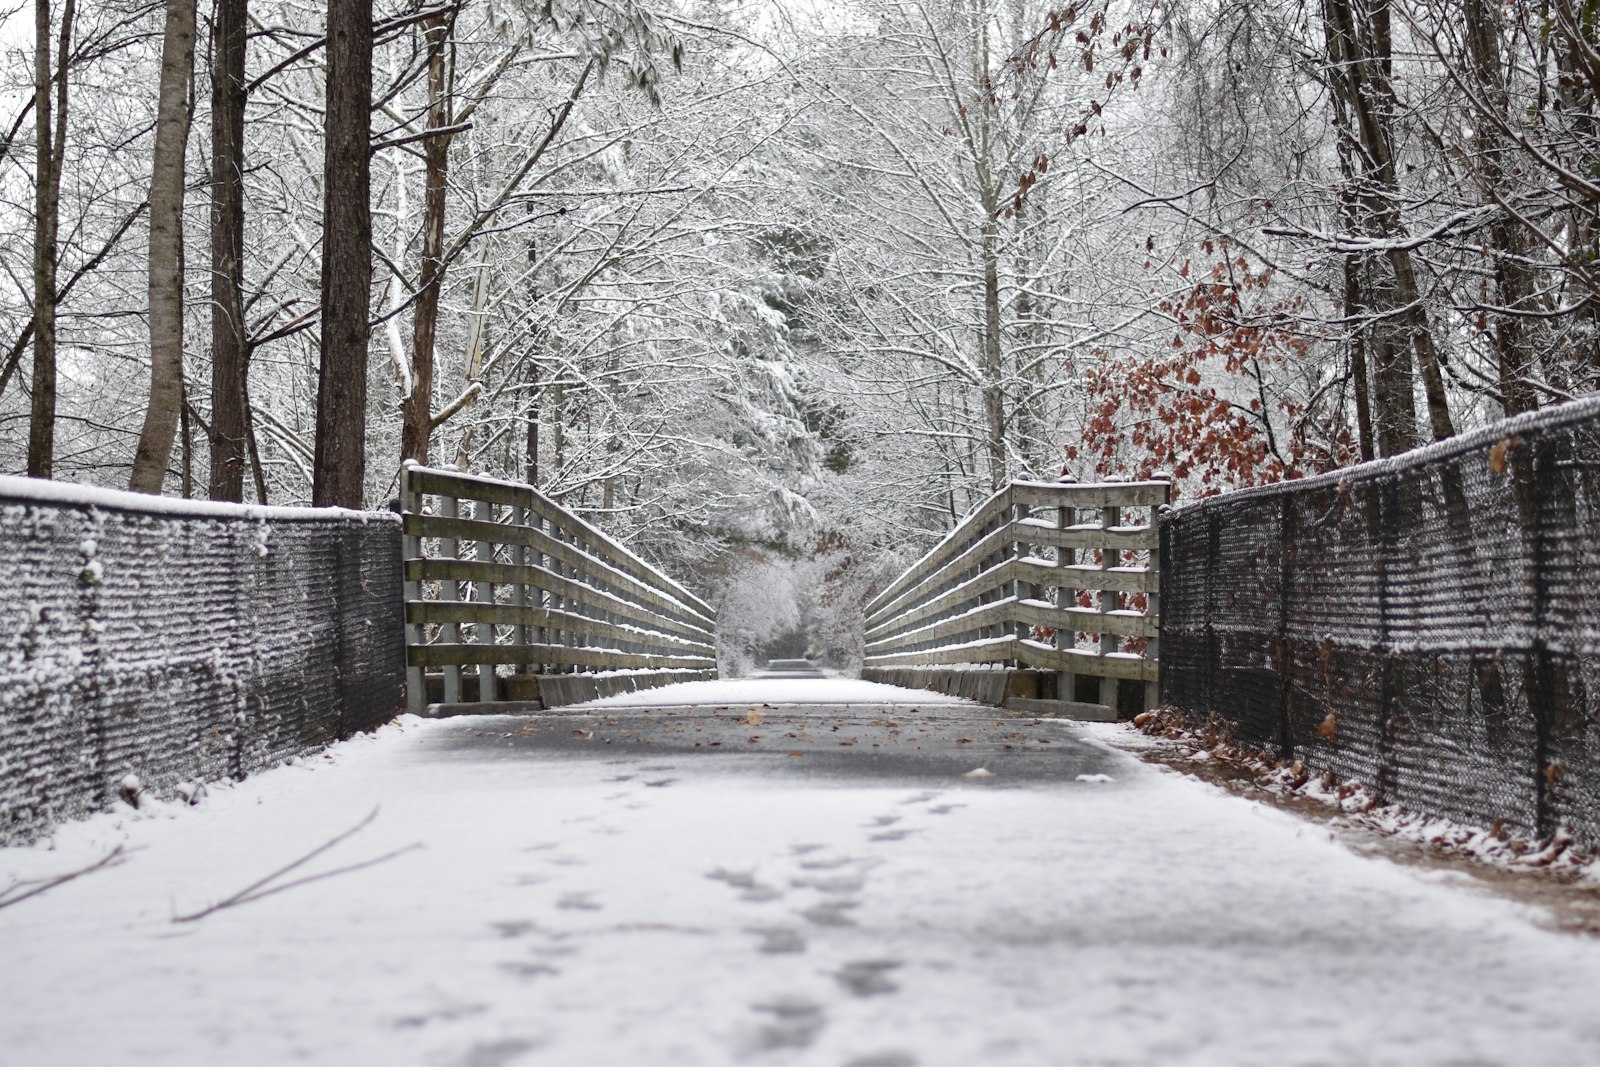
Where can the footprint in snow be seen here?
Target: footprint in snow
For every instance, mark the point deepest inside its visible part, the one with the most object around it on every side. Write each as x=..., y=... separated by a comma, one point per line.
x=779, y=940
x=868, y=978
x=796, y=1022
x=891, y=835
x=495, y=1053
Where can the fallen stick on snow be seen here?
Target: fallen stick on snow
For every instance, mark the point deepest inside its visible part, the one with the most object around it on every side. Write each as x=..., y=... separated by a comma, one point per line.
x=10, y=895
x=258, y=889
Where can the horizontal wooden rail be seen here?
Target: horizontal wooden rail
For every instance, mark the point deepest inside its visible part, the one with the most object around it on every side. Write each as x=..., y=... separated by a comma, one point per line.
x=500, y=577
x=1050, y=576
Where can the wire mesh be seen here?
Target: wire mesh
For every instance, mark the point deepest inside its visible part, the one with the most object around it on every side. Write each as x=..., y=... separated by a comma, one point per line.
x=1427, y=625
x=183, y=648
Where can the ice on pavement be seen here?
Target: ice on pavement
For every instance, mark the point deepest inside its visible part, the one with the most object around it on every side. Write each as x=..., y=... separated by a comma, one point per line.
x=627, y=907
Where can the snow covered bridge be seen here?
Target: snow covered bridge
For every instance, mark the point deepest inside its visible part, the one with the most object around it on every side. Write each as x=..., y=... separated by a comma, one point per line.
x=608, y=863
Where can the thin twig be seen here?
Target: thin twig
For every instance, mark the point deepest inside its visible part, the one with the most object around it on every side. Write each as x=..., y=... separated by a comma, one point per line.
x=110, y=859
x=259, y=888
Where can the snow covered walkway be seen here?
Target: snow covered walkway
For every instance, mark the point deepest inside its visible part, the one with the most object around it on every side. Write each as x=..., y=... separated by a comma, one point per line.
x=619, y=884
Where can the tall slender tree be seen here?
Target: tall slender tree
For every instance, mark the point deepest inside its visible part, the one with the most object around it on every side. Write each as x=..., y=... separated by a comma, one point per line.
x=166, y=250
x=50, y=144
x=339, y=462
x=229, y=352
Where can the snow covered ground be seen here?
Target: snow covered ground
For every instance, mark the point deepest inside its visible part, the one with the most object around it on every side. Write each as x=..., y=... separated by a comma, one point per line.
x=654, y=902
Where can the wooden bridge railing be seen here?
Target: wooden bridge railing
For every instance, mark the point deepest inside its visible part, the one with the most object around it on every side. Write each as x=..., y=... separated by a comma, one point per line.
x=499, y=575
x=1054, y=576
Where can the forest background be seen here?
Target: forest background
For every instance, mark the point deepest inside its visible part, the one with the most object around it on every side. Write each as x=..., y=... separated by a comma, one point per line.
x=777, y=291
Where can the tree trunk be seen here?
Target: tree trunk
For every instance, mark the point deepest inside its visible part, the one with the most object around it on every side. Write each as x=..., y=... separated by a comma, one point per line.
x=994, y=409
x=1358, y=359
x=50, y=142
x=166, y=251
x=339, y=463
x=1513, y=281
x=1358, y=59
x=417, y=409
x=228, y=348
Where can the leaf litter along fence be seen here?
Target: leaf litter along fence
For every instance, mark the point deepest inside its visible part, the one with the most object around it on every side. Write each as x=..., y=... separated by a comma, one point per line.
x=1428, y=625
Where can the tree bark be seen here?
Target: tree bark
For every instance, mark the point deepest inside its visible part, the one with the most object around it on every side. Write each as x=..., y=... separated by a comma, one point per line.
x=229, y=351
x=50, y=144
x=1513, y=280
x=1358, y=59
x=417, y=409
x=166, y=251
x=339, y=461
x=994, y=409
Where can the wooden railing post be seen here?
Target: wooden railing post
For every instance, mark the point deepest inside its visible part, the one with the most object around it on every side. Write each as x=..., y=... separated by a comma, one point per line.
x=1110, y=600
x=449, y=591
x=1152, y=687
x=1066, y=596
x=483, y=591
x=411, y=549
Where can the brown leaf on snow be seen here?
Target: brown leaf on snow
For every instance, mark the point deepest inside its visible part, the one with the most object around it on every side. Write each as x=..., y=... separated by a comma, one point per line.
x=753, y=717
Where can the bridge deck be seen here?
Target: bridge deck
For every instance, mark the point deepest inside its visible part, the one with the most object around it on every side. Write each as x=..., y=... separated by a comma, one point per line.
x=648, y=884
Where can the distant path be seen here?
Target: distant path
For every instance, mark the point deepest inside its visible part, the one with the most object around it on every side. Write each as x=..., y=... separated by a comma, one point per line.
x=647, y=884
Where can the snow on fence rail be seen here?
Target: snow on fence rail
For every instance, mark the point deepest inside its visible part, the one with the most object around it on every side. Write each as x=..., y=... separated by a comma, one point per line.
x=1428, y=625
x=1054, y=576
x=180, y=642
x=497, y=575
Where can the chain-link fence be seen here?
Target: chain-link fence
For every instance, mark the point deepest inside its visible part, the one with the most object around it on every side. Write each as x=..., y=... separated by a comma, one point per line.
x=1428, y=625
x=181, y=642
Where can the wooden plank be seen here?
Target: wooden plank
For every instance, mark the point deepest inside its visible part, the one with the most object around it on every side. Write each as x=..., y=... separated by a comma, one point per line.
x=512, y=494
x=1110, y=600
x=543, y=578
x=1121, y=579
x=1091, y=494
x=559, y=655
x=1066, y=518
x=432, y=611
x=967, y=592
x=1124, y=538
x=1031, y=653
x=966, y=531
x=553, y=548
x=498, y=707
x=1061, y=709
x=1080, y=661
x=1031, y=613
x=483, y=512
x=448, y=590
x=411, y=545
x=969, y=557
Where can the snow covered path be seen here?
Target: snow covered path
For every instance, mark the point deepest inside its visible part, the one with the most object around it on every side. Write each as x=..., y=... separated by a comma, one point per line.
x=665, y=890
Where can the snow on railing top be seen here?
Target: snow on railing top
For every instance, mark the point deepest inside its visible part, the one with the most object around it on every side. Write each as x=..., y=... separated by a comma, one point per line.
x=69, y=494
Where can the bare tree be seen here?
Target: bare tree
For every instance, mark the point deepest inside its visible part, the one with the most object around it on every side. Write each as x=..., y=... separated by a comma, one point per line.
x=166, y=250
x=339, y=463
x=229, y=343
x=50, y=145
